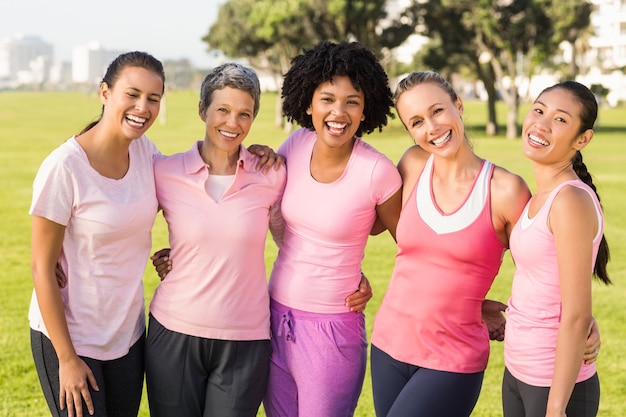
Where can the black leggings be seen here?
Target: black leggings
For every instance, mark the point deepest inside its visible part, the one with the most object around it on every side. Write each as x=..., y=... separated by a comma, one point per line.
x=523, y=400
x=402, y=390
x=120, y=380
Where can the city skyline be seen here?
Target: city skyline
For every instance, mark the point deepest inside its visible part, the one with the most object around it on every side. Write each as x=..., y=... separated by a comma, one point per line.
x=167, y=32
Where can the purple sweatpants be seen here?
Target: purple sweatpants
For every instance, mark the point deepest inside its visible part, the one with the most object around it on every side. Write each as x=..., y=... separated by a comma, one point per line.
x=317, y=364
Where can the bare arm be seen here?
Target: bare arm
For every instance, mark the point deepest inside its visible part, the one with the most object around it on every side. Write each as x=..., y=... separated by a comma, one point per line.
x=509, y=195
x=389, y=212
x=277, y=224
x=410, y=167
x=378, y=227
x=74, y=374
x=573, y=223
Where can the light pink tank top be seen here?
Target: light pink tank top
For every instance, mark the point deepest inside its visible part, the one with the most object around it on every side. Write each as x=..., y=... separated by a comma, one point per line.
x=534, y=312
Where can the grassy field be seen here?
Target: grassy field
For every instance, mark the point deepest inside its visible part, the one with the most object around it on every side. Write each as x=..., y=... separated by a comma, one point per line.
x=32, y=124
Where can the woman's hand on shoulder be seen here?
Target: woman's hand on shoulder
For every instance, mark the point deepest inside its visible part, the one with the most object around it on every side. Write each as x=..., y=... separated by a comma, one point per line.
x=268, y=158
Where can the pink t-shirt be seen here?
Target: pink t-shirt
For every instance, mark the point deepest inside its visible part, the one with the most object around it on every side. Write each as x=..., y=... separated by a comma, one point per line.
x=327, y=225
x=431, y=313
x=105, y=248
x=217, y=288
x=534, y=312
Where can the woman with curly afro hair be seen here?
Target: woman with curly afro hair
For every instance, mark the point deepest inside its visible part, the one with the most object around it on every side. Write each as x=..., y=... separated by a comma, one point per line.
x=337, y=187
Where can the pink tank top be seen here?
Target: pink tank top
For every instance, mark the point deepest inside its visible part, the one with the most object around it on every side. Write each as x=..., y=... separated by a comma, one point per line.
x=431, y=313
x=534, y=312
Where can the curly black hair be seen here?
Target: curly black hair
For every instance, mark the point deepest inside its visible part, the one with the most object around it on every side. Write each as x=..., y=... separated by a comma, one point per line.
x=327, y=59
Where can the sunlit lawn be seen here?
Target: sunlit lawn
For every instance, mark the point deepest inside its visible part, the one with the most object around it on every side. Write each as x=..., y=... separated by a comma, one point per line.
x=32, y=124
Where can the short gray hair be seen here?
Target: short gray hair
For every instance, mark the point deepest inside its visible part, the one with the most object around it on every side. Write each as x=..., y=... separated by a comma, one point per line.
x=231, y=75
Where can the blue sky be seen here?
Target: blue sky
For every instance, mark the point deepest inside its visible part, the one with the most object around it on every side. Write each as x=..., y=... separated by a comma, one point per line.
x=168, y=29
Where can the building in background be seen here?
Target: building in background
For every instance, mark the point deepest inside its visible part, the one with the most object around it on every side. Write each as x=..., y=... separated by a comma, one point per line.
x=61, y=75
x=27, y=61
x=24, y=60
x=605, y=60
x=608, y=44
x=89, y=63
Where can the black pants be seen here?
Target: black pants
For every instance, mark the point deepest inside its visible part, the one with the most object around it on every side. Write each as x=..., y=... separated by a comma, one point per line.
x=197, y=377
x=120, y=380
x=523, y=400
x=401, y=389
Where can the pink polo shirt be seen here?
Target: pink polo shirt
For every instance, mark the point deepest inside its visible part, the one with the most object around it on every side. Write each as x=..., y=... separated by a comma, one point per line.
x=217, y=288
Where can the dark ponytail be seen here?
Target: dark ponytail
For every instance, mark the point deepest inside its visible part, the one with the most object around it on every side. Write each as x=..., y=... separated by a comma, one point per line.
x=602, y=259
x=588, y=116
x=129, y=59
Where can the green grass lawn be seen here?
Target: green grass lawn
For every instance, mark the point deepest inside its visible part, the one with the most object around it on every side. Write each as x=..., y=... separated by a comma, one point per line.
x=33, y=124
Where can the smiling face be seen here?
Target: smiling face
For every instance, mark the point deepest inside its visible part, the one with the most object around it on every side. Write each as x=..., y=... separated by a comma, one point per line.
x=337, y=111
x=133, y=103
x=228, y=119
x=432, y=118
x=551, y=129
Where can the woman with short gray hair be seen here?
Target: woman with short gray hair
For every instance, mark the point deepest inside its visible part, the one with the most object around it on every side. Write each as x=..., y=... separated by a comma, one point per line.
x=208, y=343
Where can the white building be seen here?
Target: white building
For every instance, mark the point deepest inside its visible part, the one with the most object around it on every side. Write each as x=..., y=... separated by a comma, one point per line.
x=608, y=45
x=90, y=61
x=606, y=58
x=61, y=74
x=25, y=59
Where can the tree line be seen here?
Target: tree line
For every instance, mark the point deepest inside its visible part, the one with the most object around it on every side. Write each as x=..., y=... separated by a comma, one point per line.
x=495, y=40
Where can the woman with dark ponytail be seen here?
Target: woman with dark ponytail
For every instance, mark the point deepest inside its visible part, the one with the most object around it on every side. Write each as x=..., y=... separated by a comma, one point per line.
x=557, y=245
x=603, y=251
x=93, y=207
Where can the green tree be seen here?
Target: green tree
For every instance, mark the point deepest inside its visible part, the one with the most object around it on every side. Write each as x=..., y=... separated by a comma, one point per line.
x=451, y=28
x=518, y=30
x=370, y=23
x=572, y=24
x=511, y=36
x=269, y=33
